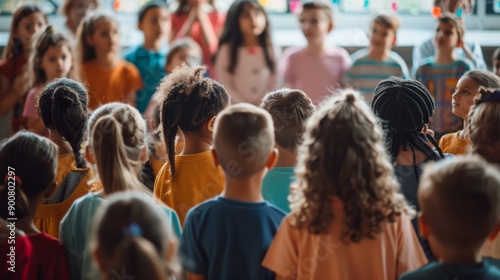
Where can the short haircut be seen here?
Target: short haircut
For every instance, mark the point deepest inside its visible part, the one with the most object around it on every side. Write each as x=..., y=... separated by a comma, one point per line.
x=243, y=139
x=290, y=109
x=319, y=5
x=148, y=6
x=460, y=200
x=455, y=22
x=496, y=54
x=388, y=20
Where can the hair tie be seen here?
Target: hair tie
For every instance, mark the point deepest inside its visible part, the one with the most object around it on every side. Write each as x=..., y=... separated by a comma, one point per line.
x=17, y=180
x=49, y=30
x=493, y=97
x=132, y=230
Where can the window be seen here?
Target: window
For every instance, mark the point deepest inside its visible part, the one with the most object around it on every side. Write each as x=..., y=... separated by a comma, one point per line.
x=10, y=6
x=493, y=7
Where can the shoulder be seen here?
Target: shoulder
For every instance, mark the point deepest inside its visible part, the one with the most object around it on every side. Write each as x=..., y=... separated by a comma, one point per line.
x=130, y=52
x=274, y=211
x=426, y=272
x=339, y=51
x=293, y=52
x=394, y=56
x=43, y=240
x=359, y=54
x=201, y=210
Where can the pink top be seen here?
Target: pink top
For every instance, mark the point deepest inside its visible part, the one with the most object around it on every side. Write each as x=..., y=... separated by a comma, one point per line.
x=30, y=106
x=315, y=74
x=298, y=254
x=251, y=79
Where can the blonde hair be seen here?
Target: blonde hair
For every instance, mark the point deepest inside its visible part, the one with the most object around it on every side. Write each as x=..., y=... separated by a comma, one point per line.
x=343, y=155
x=388, y=20
x=319, y=5
x=457, y=23
x=117, y=141
x=68, y=5
x=87, y=28
x=132, y=234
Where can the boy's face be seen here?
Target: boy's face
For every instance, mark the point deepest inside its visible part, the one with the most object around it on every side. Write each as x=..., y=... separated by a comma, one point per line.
x=496, y=67
x=156, y=24
x=315, y=24
x=446, y=37
x=381, y=36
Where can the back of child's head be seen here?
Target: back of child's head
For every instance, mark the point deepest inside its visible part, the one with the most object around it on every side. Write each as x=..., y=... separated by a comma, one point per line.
x=484, y=120
x=41, y=44
x=454, y=21
x=181, y=45
x=131, y=235
x=86, y=29
x=148, y=6
x=460, y=200
x=28, y=165
x=290, y=109
x=188, y=101
x=319, y=5
x=243, y=139
x=62, y=105
x=117, y=139
x=404, y=107
x=388, y=20
x=183, y=6
x=343, y=155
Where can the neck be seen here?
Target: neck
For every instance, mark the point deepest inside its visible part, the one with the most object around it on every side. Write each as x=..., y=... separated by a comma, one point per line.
x=26, y=223
x=286, y=158
x=64, y=147
x=378, y=53
x=194, y=144
x=317, y=47
x=107, y=59
x=463, y=131
x=152, y=44
x=406, y=157
x=460, y=256
x=71, y=27
x=244, y=189
x=445, y=57
x=250, y=41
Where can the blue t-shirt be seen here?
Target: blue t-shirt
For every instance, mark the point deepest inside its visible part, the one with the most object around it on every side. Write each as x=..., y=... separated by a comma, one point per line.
x=276, y=186
x=226, y=239
x=488, y=269
x=151, y=65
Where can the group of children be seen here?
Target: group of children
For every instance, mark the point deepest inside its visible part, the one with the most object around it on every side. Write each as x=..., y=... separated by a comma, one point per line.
x=125, y=175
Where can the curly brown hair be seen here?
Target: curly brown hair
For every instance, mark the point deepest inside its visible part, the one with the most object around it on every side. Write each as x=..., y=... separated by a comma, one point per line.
x=343, y=155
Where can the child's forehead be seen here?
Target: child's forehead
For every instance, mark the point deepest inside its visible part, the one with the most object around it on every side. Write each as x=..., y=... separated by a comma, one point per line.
x=445, y=25
x=314, y=12
x=379, y=26
x=106, y=24
x=154, y=11
x=33, y=18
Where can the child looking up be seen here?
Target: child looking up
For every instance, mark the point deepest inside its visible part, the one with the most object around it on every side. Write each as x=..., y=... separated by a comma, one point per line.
x=245, y=62
x=460, y=206
x=109, y=78
x=495, y=60
x=348, y=220
x=377, y=62
x=329, y=62
x=238, y=220
x=290, y=110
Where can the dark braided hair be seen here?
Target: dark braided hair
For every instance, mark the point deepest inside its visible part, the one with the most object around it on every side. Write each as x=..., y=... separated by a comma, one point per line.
x=188, y=100
x=63, y=106
x=404, y=107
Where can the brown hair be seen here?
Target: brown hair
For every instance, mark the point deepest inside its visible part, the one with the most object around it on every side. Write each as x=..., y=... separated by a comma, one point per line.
x=68, y=5
x=183, y=44
x=496, y=54
x=388, y=20
x=290, y=109
x=318, y=5
x=455, y=22
x=183, y=6
x=87, y=28
x=343, y=155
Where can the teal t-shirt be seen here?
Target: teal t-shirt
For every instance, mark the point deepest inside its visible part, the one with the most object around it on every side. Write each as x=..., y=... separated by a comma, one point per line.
x=276, y=186
x=488, y=269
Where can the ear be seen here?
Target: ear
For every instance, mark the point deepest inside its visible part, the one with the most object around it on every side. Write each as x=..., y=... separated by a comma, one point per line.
x=394, y=42
x=214, y=156
x=88, y=155
x=494, y=233
x=144, y=154
x=273, y=158
x=98, y=259
x=460, y=44
x=139, y=26
x=331, y=26
x=210, y=124
x=425, y=231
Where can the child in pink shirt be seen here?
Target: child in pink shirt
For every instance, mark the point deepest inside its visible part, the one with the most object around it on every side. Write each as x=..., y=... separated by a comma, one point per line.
x=348, y=220
x=317, y=68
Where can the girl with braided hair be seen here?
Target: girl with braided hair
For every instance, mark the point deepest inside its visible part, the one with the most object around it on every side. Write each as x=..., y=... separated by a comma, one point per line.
x=404, y=108
x=189, y=103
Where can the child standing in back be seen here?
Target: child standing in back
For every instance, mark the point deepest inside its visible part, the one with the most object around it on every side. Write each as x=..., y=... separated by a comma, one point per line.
x=245, y=63
x=377, y=62
x=318, y=68
x=149, y=58
x=441, y=73
x=348, y=220
x=189, y=104
x=109, y=77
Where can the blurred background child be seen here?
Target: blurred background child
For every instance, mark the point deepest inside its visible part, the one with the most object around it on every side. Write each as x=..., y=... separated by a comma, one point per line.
x=75, y=10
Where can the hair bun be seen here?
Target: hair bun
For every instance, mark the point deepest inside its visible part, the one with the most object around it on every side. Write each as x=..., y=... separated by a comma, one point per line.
x=49, y=29
x=350, y=98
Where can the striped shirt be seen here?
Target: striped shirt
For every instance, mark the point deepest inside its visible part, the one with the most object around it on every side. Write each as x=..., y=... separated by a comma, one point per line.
x=366, y=73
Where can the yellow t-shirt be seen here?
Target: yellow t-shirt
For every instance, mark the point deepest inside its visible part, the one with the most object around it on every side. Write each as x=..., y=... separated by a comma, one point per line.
x=451, y=143
x=196, y=180
x=64, y=163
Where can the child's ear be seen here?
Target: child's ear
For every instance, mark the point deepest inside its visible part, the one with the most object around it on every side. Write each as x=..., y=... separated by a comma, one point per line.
x=460, y=43
x=425, y=231
x=273, y=158
x=394, y=42
x=494, y=233
x=331, y=26
x=144, y=154
x=88, y=155
x=210, y=124
x=214, y=156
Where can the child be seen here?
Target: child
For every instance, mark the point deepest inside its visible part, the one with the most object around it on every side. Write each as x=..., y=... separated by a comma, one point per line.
x=460, y=202
x=28, y=165
x=200, y=20
x=26, y=21
x=131, y=236
x=75, y=11
x=117, y=150
x=377, y=62
x=329, y=62
x=62, y=106
x=245, y=62
x=238, y=220
x=51, y=58
x=290, y=110
x=149, y=58
x=23, y=253
x=441, y=73
x=190, y=104
x=404, y=108
x=348, y=220
x=495, y=60
x=109, y=78
x=462, y=102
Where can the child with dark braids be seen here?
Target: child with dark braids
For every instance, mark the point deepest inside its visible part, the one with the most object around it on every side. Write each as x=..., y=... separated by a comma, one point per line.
x=189, y=103
x=405, y=108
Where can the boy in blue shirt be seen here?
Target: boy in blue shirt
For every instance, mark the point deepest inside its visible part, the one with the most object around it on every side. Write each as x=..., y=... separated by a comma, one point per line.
x=226, y=237
x=460, y=205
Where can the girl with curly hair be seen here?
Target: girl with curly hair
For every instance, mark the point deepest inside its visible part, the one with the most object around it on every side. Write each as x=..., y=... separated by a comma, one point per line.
x=348, y=219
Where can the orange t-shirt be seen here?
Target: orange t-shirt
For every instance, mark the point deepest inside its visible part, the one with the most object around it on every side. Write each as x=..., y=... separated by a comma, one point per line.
x=107, y=85
x=451, y=143
x=196, y=180
x=298, y=254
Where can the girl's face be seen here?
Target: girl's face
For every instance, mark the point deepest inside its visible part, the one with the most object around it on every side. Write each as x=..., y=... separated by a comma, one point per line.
x=496, y=67
x=79, y=10
x=57, y=62
x=29, y=26
x=463, y=97
x=156, y=24
x=446, y=37
x=252, y=21
x=106, y=37
x=185, y=55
